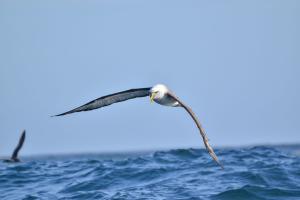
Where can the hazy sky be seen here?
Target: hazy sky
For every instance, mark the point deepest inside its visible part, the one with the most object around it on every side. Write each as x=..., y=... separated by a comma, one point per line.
x=236, y=63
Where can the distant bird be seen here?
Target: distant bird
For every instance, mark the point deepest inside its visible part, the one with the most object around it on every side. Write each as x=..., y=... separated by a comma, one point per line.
x=14, y=156
x=158, y=93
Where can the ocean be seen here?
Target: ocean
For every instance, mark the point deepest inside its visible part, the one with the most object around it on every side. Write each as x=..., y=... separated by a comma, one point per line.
x=254, y=173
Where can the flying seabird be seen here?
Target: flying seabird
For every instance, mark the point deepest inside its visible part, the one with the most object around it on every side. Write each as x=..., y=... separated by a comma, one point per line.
x=14, y=156
x=158, y=93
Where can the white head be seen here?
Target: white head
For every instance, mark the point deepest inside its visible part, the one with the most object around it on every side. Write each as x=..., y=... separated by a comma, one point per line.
x=158, y=91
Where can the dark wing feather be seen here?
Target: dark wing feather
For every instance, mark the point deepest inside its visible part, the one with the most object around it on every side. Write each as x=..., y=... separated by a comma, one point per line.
x=202, y=132
x=19, y=146
x=110, y=99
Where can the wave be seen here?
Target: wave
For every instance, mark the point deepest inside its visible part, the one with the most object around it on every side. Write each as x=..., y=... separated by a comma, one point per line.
x=250, y=173
x=258, y=193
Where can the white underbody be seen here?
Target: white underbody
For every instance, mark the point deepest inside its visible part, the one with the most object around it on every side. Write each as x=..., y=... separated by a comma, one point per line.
x=167, y=101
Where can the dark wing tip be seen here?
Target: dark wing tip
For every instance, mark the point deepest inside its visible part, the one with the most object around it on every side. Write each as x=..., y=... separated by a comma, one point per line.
x=23, y=134
x=57, y=115
x=65, y=113
x=22, y=138
x=212, y=154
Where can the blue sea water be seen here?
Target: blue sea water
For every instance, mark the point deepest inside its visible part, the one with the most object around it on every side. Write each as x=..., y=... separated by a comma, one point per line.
x=250, y=173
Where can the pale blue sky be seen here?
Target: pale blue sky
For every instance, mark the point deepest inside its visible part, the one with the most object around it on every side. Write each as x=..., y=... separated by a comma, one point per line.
x=236, y=63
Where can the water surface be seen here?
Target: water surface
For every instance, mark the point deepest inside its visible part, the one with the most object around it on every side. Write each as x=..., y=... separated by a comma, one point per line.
x=250, y=173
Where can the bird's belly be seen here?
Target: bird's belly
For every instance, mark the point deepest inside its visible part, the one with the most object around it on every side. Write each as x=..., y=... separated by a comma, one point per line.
x=167, y=102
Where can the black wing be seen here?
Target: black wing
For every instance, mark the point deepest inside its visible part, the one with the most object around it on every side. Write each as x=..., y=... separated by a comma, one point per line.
x=110, y=99
x=202, y=132
x=19, y=146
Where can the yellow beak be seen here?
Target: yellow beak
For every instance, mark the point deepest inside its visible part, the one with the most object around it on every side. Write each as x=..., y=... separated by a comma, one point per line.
x=152, y=97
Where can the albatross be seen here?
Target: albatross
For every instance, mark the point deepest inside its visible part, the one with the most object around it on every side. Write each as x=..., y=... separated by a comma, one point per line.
x=159, y=93
x=14, y=156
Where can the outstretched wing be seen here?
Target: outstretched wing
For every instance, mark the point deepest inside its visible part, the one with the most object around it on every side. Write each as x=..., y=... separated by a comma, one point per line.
x=19, y=146
x=110, y=99
x=202, y=132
